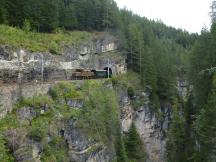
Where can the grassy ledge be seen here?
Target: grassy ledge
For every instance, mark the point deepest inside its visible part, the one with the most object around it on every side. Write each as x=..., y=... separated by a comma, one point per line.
x=41, y=42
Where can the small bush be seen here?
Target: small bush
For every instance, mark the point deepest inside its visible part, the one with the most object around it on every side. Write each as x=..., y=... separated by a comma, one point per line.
x=54, y=48
x=36, y=101
x=131, y=92
x=65, y=91
x=36, y=135
x=27, y=25
x=4, y=151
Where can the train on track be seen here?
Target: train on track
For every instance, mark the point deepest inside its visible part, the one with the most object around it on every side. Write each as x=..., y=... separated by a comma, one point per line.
x=51, y=75
x=90, y=74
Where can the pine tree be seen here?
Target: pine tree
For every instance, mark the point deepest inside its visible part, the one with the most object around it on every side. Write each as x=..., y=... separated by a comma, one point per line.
x=134, y=146
x=175, y=147
x=3, y=13
x=49, y=15
x=135, y=49
x=199, y=61
x=206, y=128
x=120, y=147
x=67, y=16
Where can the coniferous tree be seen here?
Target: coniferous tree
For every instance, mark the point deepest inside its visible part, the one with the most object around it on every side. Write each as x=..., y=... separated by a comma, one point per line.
x=67, y=16
x=134, y=145
x=199, y=61
x=135, y=48
x=120, y=148
x=175, y=147
x=206, y=128
x=3, y=13
x=49, y=15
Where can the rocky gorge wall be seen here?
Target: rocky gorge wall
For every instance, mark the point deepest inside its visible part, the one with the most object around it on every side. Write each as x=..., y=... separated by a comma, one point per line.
x=150, y=126
x=24, y=147
x=98, y=53
x=18, y=67
x=9, y=94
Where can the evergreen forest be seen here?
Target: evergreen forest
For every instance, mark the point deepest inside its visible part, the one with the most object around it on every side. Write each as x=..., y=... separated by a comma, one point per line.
x=160, y=55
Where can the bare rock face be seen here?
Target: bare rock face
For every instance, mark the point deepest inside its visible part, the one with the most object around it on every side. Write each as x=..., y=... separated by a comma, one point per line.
x=151, y=127
x=83, y=149
x=24, y=149
x=126, y=117
x=5, y=53
x=24, y=66
x=75, y=103
x=152, y=133
x=26, y=114
x=8, y=97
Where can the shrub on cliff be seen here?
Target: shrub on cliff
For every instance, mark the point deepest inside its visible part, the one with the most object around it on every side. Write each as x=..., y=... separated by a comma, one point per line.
x=64, y=91
x=37, y=101
x=4, y=151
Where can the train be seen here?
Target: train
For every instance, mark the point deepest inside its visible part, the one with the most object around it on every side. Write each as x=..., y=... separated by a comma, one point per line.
x=50, y=74
x=90, y=74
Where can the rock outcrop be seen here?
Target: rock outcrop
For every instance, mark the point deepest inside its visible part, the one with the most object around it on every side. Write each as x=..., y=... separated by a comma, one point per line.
x=151, y=127
x=83, y=149
x=99, y=53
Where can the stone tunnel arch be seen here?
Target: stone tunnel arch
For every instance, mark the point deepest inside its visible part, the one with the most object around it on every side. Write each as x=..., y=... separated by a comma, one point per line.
x=109, y=69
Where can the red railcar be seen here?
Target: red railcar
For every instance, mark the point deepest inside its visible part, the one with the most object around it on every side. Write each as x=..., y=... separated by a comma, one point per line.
x=83, y=74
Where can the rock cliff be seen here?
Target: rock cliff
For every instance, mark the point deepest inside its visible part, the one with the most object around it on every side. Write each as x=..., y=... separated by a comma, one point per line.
x=97, y=53
x=151, y=127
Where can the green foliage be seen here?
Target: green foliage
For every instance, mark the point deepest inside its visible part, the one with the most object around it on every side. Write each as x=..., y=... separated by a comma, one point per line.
x=154, y=53
x=203, y=96
x=120, y=148
x=3, y=12
x=131, y=79
x=65, y=91
x=100, y=114
x=131, y=92
x=42, y=42
x=205, y=126
x=27, y=25
x=137, y=103
x=100, y=117
x=200, y=60
x=9, y=122
x=134, y=146
x=66, y=111
x=38, y=101
x=40, y=127
x=55, y=151
x=4, y=151
x=45, y=16
x=175, y=147
x=53, y=48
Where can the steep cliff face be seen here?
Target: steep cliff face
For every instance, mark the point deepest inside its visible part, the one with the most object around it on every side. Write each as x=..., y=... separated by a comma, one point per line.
x=97, y=53
x=19, y=66
x=83, y=149
x=153, y=131
x=151, y=127
x=79, y=147
x=9, y=94
x=39, y=130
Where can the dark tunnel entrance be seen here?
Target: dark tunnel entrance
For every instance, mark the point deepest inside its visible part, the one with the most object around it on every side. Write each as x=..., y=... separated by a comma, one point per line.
x=109, y=71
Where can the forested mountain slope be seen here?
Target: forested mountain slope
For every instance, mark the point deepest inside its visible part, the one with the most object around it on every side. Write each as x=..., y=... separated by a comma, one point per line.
x=164, y=59
x=153, y=50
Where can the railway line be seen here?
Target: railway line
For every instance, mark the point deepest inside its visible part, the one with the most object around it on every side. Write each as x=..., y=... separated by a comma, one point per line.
x=52, y=77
